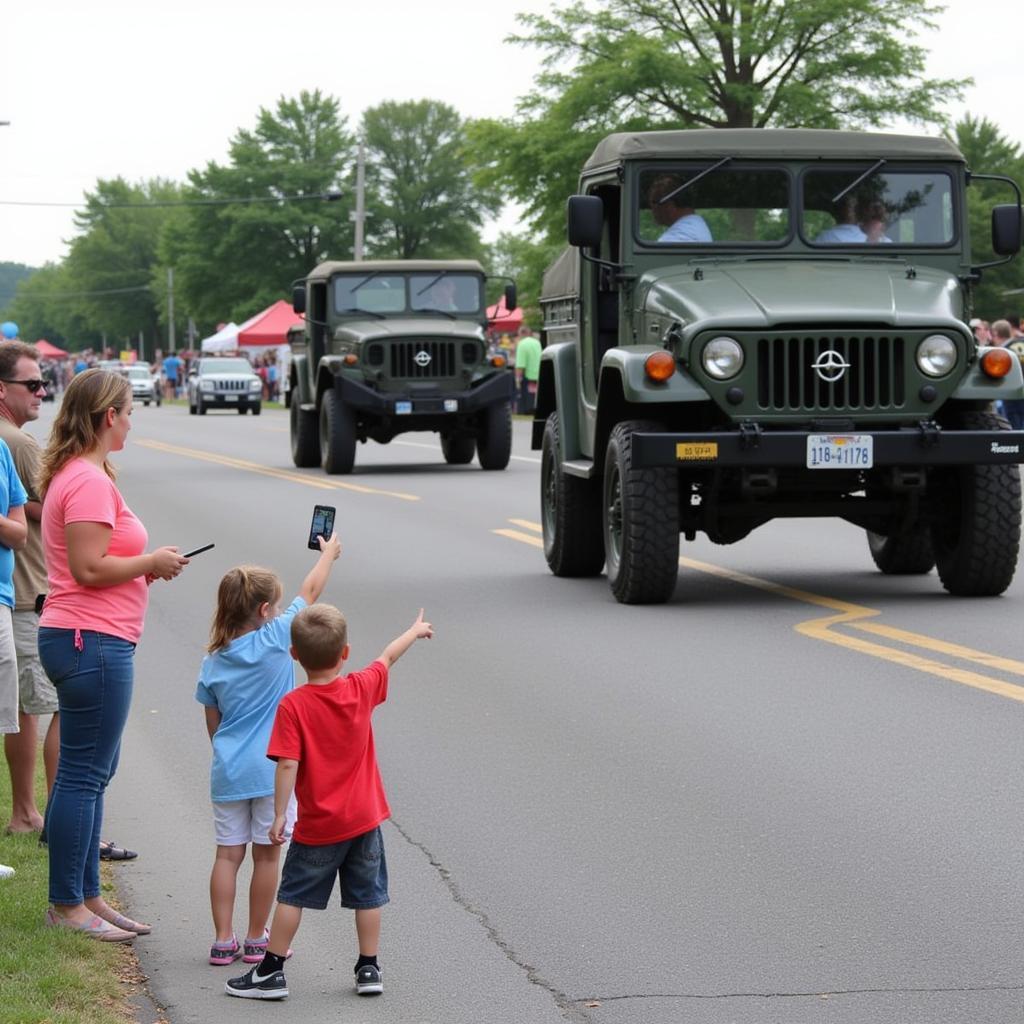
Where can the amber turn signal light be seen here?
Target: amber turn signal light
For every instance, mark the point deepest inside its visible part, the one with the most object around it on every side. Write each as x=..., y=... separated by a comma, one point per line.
x=996, y=362
x=660, y=366
x=350, y=359
x=497, y=360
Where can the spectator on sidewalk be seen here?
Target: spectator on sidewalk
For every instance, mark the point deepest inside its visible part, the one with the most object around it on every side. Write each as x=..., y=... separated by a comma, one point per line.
x=527, y=370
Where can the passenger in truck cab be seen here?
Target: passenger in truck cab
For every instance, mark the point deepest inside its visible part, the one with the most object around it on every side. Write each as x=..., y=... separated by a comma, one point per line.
x=681, y=222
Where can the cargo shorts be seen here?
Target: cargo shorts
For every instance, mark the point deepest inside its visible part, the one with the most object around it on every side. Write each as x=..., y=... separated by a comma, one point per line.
x=36, y=694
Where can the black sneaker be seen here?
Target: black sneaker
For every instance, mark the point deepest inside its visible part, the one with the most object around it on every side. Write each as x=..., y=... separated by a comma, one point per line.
x=252, y=986
x=369, y=981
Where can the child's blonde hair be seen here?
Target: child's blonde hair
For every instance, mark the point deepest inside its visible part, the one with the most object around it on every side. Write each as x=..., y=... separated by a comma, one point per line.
x=319, y=636
x=239, y=596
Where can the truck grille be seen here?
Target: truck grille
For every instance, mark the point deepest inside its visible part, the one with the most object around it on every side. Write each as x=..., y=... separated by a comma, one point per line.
x=409, y=359
x=231, y=385
x=787, y=380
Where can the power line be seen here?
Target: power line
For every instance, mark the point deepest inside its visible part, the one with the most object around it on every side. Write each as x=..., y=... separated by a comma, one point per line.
x=327, y=197
x=77, y=295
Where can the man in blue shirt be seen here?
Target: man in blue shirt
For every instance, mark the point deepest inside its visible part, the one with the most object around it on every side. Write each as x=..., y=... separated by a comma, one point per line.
x=681, y=222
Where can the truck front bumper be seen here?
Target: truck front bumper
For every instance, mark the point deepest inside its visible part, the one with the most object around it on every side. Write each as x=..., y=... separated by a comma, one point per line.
x=494, y=389
x=927, y=445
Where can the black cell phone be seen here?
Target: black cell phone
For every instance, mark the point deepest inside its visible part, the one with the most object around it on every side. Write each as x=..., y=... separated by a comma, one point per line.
x=322, y=525
x=197, y=551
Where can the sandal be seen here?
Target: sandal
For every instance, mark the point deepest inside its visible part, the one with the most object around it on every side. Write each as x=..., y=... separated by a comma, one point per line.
x=126, y=924
x=94, y=928
x=109, y=850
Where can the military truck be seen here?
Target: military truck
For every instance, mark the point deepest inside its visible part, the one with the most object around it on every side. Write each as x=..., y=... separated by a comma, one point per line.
x=391, y=346
x=752, y=324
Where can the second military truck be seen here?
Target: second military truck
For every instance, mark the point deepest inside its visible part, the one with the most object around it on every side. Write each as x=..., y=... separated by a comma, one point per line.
x=392, y=346
x=752, y=324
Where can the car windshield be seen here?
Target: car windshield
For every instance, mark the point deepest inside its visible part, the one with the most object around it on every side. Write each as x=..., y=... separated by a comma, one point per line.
x=371, y=293
x=139, y=373
x=445, y=291
x=226, y=366
x=708, y=204
x=376, y=292
x=884, y=208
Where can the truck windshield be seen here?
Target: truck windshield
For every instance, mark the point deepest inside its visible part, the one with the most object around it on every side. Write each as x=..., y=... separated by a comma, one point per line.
x=890, y=207
x=226, y=366
x=445, y=291
x=373, y=293
x=732, y=205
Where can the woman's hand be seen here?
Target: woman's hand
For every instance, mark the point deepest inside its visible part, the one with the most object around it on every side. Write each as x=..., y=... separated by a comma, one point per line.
x=167, y=563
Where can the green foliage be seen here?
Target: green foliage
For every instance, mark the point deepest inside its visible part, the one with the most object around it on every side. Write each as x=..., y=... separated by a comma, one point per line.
x=421, y=199
x=11, y=275
x=988, y=151
x=524, y=260
x=45, y=306
x=635, y=64
x=233, y=259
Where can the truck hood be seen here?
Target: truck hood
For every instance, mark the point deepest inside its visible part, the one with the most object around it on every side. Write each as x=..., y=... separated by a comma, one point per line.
x=761, y=294
x=440, y=327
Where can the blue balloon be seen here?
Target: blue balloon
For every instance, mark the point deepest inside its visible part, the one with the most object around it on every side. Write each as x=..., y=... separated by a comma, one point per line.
x=9, y=329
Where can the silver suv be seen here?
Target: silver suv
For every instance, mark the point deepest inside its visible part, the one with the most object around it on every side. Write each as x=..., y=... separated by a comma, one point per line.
x=224, y=383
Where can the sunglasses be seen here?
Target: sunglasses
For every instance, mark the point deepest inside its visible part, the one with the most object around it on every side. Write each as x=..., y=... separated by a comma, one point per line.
x=32, y=385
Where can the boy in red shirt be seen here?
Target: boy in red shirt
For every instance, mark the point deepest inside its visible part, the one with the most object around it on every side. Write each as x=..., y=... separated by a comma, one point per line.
x=323, y=744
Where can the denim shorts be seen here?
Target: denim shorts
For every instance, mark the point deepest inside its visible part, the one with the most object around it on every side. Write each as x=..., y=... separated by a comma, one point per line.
x=358, y=863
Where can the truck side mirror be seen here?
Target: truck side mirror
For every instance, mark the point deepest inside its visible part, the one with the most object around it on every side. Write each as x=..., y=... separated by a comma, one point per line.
x=511, y=301
x=586, y=221
x=299, y=298
x=1006, y=229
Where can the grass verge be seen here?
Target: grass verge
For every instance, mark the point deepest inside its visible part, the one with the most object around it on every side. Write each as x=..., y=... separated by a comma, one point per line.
x=52, y=975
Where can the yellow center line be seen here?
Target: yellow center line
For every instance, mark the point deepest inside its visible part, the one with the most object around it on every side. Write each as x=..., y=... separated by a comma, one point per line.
x=853, y=616
x=323, y=483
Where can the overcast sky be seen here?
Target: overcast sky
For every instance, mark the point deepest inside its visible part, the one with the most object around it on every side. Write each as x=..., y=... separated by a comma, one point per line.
x=131, y=88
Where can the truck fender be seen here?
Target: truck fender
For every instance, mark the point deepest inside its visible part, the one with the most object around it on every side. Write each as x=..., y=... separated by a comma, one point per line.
x=557, y=390
x=299, y=386
x=628, y=364
x=976, y=385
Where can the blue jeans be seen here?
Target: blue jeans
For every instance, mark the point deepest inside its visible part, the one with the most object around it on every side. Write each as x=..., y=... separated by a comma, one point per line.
x=93, y=674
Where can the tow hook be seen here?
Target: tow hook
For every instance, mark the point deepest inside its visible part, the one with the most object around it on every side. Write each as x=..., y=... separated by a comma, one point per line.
x=929, y=433
x=750, y=435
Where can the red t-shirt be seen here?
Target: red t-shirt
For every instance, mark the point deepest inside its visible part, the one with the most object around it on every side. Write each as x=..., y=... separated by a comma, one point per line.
x=327, y=730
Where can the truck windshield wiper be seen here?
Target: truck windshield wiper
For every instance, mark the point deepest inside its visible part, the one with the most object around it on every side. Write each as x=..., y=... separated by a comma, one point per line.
x=369, y=277
x=693, y=181
x=432, y=282
x=443, y=312
x=856, y=181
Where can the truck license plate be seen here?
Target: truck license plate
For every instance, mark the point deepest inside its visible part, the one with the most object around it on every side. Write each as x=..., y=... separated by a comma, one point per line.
x=403, y=408
x=840, y=451
x=231, y=398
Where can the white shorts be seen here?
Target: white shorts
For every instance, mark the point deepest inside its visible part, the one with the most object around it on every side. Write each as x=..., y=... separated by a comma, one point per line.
x=8, y=674
x=38, y=695
x=237, y=822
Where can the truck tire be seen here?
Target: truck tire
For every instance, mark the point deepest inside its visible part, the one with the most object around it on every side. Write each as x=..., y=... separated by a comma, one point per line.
x=641, y=522
x=257, y=408
x=494, y=442
x=458, y=451
x=337, y=435
x=200, y=405
x=305, y=436
x=570, y=513
x=902, y=554
x=976, y=525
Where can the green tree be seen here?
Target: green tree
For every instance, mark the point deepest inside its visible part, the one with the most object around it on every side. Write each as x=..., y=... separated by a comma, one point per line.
x=421, y=198
x=704, y=63
x=232, y=258
x=988, y=151
x=11, y=275
x=524, y=260
x=46, y=306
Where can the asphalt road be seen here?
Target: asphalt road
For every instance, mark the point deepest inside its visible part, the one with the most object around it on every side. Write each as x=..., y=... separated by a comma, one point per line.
x=790, y=795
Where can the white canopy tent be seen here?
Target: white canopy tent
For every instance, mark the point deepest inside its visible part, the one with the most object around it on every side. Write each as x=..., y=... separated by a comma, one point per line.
x=225, y=340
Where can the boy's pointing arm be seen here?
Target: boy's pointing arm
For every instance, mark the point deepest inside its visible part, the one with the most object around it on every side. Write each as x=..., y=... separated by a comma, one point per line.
x=419, y=630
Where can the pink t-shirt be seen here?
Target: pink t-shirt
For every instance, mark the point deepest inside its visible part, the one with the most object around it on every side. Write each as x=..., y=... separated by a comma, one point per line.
x=82, y=493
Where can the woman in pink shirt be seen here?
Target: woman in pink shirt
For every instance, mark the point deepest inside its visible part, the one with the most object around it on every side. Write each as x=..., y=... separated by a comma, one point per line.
x=99, y=573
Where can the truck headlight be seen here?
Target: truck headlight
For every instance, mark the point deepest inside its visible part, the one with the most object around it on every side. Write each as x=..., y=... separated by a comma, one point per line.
x=206, y=385
x=255, y=385
x=936, y=355
x=722, y=358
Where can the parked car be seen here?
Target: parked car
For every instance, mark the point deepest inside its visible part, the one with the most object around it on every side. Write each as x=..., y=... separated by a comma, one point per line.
x=223, y=383
x=145, y=387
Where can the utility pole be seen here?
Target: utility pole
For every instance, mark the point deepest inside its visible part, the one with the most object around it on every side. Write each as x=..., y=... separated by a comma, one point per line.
x=170, y=309
x=359, y=216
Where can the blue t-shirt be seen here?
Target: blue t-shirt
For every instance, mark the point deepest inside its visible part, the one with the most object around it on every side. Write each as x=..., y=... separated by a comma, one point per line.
x=12, y=494
x=691, y=228
x=245, y=681
x=842, y=233
x=171, y=364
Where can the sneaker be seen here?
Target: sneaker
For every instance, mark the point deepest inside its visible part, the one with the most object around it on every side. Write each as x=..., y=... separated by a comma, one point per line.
x=252, y=986
x=369, y=981
x=253, y=950
x=224, y=953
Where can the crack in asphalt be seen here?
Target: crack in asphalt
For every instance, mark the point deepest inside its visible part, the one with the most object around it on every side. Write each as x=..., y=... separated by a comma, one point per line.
x=568, y=1007
x=827, y=994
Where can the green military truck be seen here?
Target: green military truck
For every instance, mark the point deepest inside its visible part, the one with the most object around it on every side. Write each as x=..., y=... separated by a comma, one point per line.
x=751, y=324
x=391, y=346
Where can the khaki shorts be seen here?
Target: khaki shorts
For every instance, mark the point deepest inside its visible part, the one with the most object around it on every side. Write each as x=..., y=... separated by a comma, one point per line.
x=36, y=694
x=8, y=674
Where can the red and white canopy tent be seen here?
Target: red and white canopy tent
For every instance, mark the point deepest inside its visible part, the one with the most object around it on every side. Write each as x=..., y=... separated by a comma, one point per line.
x=501, y=320
x=48, y=351
x=267, y=329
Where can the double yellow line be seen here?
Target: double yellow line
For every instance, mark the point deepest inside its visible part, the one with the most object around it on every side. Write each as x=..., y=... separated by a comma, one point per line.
x=833, y=628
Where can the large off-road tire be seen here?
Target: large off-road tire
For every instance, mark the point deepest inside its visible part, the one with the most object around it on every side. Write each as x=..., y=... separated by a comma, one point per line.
x=641, y=522
x=337, y=435
x=458, y=451
x=902, y=554
x=305, y=435
x=570, y=512
x=494, y=442
x=976, y=521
